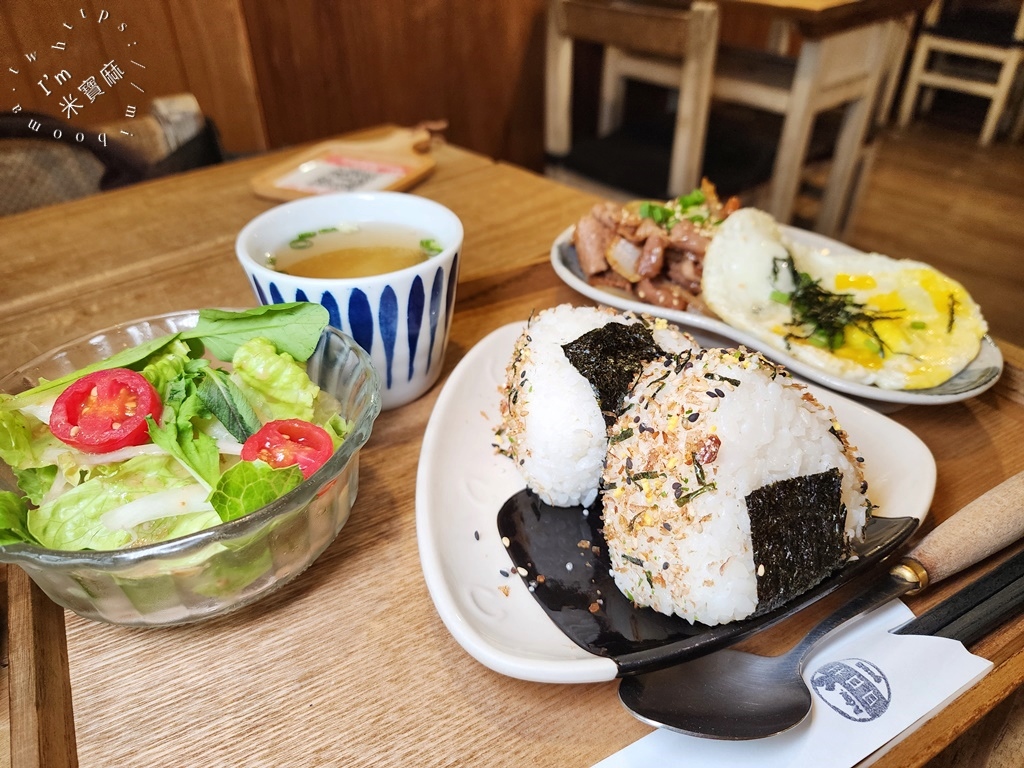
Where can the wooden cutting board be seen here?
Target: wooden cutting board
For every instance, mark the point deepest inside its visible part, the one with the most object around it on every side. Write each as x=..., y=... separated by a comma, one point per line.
x=393, y=161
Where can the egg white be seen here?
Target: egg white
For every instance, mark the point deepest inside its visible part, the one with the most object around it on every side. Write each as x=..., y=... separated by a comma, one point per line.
x=928, y=327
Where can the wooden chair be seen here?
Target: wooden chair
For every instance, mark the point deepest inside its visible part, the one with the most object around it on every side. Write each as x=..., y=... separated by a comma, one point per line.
x=841, y=71
x=967, y=49
x=677, y=43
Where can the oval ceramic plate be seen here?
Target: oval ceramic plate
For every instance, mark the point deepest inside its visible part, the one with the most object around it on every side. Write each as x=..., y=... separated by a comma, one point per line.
x=978, y=376
x=462, y=483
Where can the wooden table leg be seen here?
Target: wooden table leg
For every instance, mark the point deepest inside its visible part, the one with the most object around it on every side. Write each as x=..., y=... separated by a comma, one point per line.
x=42, y=721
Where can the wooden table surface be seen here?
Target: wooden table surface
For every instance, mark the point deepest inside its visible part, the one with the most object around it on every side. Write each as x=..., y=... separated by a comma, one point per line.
x=350, y=664
x=817, y=18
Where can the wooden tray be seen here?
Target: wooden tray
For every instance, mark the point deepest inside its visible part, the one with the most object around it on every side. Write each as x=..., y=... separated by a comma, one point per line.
x=394, y=161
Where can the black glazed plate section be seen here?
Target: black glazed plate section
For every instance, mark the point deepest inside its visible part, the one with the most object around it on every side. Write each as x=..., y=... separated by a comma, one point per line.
x=562, y=557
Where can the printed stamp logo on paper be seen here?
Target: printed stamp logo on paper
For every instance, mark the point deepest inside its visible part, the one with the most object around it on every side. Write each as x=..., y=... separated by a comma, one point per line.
x=856, y=689
x=70, y=72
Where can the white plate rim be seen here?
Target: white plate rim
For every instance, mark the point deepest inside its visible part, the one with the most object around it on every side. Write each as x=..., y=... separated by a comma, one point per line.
x=461, y=483
x=989, y=356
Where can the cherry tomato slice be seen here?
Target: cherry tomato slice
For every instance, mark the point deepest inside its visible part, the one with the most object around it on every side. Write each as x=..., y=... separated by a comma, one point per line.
x=285, y=442
x=105, y=410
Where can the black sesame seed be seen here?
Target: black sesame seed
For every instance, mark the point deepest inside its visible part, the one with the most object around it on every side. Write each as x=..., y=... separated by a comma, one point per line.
x=719, y=392
x=504, y=573
x=710, y=393
x=476, y=535
x=693, y=417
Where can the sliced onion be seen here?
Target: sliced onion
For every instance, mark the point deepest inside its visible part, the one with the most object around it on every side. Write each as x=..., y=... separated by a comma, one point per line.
x=624, y=258
x=230, y=447
x=174, y=501
x=114, y=457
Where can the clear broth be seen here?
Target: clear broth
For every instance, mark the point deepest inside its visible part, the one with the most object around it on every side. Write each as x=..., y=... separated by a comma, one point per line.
x=340, y=253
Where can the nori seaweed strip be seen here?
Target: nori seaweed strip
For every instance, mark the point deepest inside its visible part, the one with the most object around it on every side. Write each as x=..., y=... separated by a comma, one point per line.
x=610, y=358
x=797, y=531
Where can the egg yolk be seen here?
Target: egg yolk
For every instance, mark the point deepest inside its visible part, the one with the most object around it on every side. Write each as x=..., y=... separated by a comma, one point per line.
x=846, y=282
x=922, y=325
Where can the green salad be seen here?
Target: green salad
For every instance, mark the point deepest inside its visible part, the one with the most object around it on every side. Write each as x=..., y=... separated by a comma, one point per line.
x=162, y=440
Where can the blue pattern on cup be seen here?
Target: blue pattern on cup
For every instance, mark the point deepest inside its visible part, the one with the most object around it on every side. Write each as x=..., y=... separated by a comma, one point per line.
x=387, y=316
x=259, y=291
x=300, y=295
x=453, y=277
x=414, y=321
x=275, y=294
x=360, y=319
x=435, y=310
x=328, y=302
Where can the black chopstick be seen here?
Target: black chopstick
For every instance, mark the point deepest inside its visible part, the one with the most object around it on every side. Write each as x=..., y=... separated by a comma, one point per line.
x=1006, y=604
x=977, y=609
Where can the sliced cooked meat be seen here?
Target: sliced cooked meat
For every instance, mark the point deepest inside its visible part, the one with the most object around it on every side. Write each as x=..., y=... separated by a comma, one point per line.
x=618, y=218
x=618, y=248
x=611, y=279
x=662, y=293
x=683, y=269
x=652, y=258
x=687, y=237
x=592, y=240
x=647, y=228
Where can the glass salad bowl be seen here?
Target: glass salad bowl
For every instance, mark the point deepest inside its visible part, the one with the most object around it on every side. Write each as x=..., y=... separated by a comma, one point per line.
x=220, y=569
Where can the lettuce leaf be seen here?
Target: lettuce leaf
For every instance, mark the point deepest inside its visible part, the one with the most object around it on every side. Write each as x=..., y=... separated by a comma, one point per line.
x=13, y=520
x=177, y=434
x=276, y=385
x=294, y=328
x=25, y=440
x=171, y=366
x=133, y=357
x=72, y=521
x=249, y=485
x=36, y=481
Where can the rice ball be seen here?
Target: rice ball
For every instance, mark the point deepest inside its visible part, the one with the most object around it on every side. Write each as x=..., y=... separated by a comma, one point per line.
x=552, y=421
x=728, y=488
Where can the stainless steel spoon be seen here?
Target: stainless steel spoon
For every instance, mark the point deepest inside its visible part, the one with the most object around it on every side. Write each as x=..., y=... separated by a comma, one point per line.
x=736, y=695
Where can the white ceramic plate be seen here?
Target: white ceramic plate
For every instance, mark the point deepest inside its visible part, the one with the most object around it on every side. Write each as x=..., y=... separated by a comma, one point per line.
x=978, y=376
x=462, y=483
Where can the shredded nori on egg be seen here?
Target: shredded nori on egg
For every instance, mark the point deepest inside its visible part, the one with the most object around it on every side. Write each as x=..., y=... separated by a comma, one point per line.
x=823, y=316
x=797, y=532
x=611, y=358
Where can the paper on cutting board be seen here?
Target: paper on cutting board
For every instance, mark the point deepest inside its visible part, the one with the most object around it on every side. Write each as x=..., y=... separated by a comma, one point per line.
x=869, y=686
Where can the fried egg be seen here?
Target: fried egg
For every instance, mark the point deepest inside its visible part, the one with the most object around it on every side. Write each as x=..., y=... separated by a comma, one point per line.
x=868, y=318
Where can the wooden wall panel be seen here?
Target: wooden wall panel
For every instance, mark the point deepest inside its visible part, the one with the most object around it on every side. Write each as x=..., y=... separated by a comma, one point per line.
x=325, y=67
x=275, y=74
x=214, y=44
